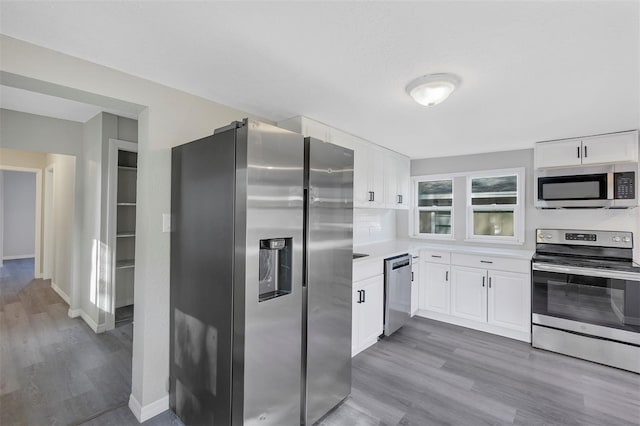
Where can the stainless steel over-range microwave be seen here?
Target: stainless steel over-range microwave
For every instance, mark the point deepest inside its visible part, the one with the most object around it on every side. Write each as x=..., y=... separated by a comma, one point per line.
x=610, y=186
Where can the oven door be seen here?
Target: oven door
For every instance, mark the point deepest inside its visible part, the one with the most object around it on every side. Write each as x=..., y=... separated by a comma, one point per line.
x=595, y=302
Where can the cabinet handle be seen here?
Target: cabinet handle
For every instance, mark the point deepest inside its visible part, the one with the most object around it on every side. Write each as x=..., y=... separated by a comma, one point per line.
x=486, y=261
x=411, y=276
x=586, y=153
x=446, y=275
x=372, y=196
x=578, y=152
x=437, y=257
x=359, y=296
x=483, y=278
x=364, y=296
x=399, y=199
x=489, y=282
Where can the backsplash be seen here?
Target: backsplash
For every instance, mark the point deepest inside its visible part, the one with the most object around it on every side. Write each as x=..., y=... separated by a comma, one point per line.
x=373, y=226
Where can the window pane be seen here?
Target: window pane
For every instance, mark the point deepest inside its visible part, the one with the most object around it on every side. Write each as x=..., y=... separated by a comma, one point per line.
x=435, y=193
x=435, y=222
x=493, y=200
x=493, y=223
x=494, y=184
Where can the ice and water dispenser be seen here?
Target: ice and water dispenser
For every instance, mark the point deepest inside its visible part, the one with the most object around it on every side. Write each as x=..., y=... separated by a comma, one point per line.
x=276, y=256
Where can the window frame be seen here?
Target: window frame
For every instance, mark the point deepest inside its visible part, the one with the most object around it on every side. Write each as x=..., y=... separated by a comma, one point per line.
x=415, y=217
x=518, y=208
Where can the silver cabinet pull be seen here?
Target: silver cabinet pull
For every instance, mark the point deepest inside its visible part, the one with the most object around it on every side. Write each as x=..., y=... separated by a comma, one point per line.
x=399, y=199
x=586, y=154
x=364, y=296
x=578, y=152
x=486, y=261
x=372, y=196
x=483, y=278
x=446, y=276
x=489, y=282
x=437, y=257
x=411, y=276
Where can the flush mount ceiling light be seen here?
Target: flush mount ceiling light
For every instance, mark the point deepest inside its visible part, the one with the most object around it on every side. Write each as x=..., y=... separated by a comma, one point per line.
x=430, y=90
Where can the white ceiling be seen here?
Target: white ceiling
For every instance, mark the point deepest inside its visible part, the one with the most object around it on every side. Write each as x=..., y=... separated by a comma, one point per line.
x=49, y=106
x=531, y=71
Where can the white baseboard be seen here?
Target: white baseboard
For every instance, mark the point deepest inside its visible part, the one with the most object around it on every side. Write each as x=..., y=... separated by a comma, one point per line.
x=74, y=313
x=61, y=293
x=20, y=256
x=480, y=326
x=144, y=413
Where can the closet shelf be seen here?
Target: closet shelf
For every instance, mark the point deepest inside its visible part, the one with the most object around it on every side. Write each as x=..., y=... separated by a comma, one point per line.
x=128, y=168
x=126, y=204
x=125, y=234
x=123, y=264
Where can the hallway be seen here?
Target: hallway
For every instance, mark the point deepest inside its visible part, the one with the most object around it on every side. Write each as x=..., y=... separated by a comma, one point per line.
x=54, y=369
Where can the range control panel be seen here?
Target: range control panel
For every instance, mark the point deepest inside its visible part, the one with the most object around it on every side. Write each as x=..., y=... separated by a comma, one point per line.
x=624, y=186
x=617, y=239
x=580, y=237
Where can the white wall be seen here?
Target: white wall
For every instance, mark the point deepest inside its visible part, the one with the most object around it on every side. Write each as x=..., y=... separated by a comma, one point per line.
x=596, y=219
x=373, y=226
x=19, y=216
x=64, y=180
x=170, y=117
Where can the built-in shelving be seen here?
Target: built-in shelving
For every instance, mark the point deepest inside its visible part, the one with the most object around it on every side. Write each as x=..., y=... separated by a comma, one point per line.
x=125, y=241
x=125, y=264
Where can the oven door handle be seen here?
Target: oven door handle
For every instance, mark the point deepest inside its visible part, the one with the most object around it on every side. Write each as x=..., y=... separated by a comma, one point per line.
x=592, y=272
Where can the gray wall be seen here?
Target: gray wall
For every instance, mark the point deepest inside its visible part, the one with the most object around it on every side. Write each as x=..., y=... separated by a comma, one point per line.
x=19, y=216
x=29, y=132
x=621, y=220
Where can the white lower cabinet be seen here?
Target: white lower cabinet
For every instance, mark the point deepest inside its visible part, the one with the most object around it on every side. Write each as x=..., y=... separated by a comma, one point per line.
x=469, y=293
x=495, y=298
x=435, y=291
x=415, y=284
x=367, y=320
x=509, y=300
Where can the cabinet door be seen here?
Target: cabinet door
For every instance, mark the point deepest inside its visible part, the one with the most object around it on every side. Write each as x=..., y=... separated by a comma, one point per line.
x=415, y=287
x=355, y=319
x=560, y=153
x=469, y=293
x=376, y=175
x=360, y=175
x=610, y=148
x=390, y=181
x=371, y=310
x=437, y=292
x=403, y=180
x=509, y=300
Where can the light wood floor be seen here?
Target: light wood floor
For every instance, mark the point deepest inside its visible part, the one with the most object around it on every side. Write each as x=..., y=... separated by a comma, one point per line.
x=55, y=370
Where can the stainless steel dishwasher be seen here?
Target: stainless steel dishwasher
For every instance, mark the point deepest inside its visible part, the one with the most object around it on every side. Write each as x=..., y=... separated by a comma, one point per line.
x=397, y=292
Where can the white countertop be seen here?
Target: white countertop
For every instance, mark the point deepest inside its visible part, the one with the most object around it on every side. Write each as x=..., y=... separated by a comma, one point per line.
x=383, y=250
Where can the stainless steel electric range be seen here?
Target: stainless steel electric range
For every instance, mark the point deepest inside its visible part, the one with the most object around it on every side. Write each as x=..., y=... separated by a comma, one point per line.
x=586, y=296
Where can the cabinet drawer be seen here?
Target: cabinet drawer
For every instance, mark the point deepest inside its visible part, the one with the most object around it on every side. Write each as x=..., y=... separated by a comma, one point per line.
x=490, y=262
x=363, y=270
x=435, y=256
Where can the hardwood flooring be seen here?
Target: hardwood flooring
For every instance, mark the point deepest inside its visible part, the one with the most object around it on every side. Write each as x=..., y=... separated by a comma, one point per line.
x=55, y=370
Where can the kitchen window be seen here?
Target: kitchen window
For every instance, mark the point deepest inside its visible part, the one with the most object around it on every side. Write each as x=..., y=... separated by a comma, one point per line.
x=495, y=206
x=434, y=213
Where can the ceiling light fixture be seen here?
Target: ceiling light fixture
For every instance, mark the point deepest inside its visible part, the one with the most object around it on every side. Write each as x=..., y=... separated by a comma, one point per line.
x=430, y=90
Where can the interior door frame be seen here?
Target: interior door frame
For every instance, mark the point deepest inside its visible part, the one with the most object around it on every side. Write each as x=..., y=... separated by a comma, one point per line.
x=48, y=224
x=37, y=266
x=115, y=145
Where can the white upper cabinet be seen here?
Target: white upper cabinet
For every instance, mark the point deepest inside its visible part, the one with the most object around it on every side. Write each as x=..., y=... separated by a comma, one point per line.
x=610, y=148
x=558, y=154
x=380, y=176
x=619, y=147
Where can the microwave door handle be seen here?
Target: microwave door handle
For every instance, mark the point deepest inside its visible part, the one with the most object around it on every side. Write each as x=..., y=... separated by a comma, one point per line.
x=610, y=194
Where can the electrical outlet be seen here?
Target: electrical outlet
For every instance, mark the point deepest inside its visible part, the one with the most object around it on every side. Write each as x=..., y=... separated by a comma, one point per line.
x=166, y=222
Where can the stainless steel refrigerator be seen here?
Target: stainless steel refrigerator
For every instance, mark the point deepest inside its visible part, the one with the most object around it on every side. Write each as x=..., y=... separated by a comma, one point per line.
x=261, y=255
